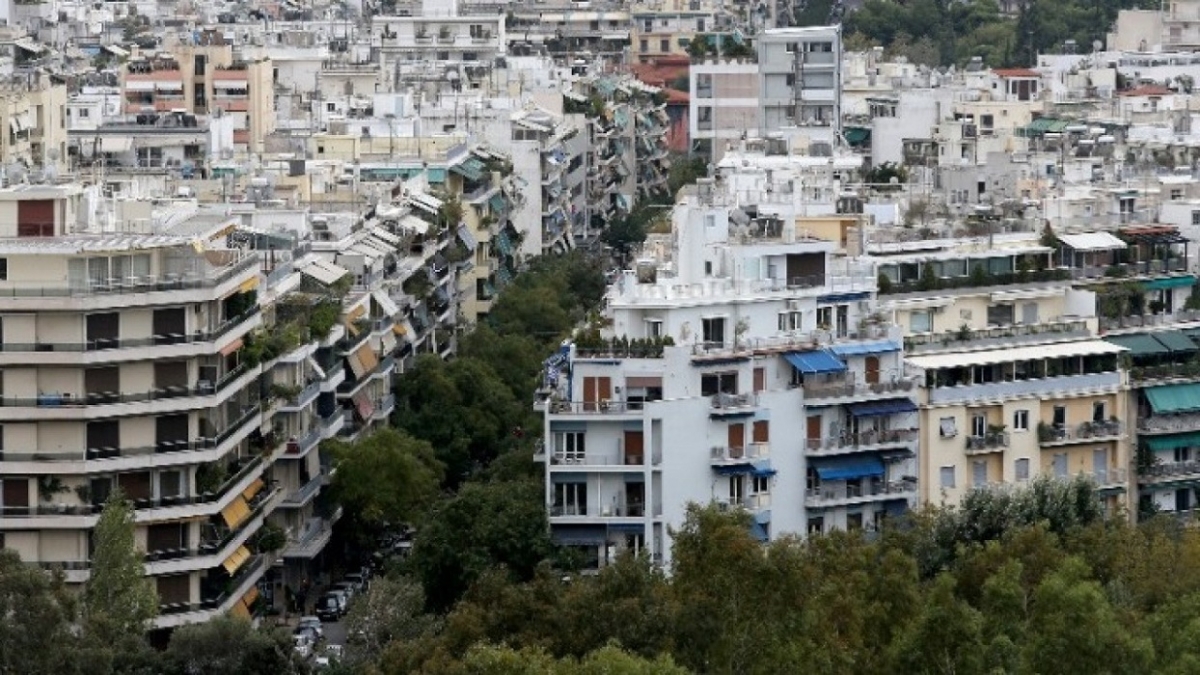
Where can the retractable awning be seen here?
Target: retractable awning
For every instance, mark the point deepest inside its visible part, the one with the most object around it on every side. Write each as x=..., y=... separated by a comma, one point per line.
x=579, y=535
x=865, y=348
x=239, y=558
x=1170, y=282
x=236, y=513
x=253, y=489
x=811, y=363
x=1167, y=443
x=1175, y=341
x=324, y=272
x=1092, y=241
x=467, y=237
x=1140, y=344
x=758, y=467
x=367, y=357
x=850, y=468
x=385, y=303
x=892, y=406
x=1173, y=398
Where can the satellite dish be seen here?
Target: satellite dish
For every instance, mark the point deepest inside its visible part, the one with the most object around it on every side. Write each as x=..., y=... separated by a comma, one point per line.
x=1097, y=45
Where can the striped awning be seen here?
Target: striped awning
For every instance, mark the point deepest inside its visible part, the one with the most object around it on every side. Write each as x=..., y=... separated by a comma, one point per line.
x=253, y=489
x=235, y=561
x=236, y=513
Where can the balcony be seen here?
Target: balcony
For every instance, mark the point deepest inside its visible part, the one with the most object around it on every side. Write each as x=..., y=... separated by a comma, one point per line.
x=153, y=347
x=1088, y=432
x=837, y=494
x=1048, y=387
x=302, y=399
x=996, y=337
x=384, y=408
x=1166, y=472
x=727, y=456
x=305, y=493
x=606, y=407
x=861, y=442
x=332, y=424
x=993, y=441
x=721, y=405
x=313, y=537
x=850, y=386
x=298, y=448
x=1169, y=424
x=616, y=509
x=212, y=552
x=181, y=614
x=1130, y=270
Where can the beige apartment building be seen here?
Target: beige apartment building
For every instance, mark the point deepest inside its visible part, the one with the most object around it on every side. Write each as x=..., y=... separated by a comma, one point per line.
x=33, y=117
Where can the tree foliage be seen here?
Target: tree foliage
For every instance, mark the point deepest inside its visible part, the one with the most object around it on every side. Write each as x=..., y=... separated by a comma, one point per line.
x=230, y=646
x=385, y=478
x=36, y=612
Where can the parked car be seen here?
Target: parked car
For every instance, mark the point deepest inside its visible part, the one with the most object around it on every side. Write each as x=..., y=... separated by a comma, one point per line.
x=303, y=645
x=313, y=623
x=329, y=607
x=345, y=587
x=358, y=581
x=309, y=632
x=343, y=600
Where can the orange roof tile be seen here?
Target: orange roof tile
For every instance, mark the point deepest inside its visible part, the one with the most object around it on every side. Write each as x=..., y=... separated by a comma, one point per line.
x=1015, y=72
x=1147, y=90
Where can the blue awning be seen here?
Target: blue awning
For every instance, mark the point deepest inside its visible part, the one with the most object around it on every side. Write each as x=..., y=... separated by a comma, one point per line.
x=759, y=532
x=467, y=237
x=890, y=406
x=760, y=468
x=1170, y=282
x=627, y=528
x=435, y=175
x=842, y=297
x=820, y=361
x=496, y=202
x=850, y=468
x=864, y=348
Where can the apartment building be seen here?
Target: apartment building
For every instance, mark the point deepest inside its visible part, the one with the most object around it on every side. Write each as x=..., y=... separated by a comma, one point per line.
x=32, y=117
x=689, y=392
x=439, y=42
x=566, y=29
x=800, y=74
x=723, y=104
x=129, y=369
x=667, y=27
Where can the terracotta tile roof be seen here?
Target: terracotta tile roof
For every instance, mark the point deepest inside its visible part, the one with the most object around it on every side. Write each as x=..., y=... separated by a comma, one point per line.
x=1015, y=72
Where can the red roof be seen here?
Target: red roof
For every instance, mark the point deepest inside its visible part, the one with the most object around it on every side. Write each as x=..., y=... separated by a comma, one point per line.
x=676, y=97
x=662, y=71
x=1016, y=73
x=1148, y=90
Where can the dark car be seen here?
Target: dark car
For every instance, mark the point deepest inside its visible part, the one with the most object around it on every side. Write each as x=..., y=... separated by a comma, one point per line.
x=329, y=608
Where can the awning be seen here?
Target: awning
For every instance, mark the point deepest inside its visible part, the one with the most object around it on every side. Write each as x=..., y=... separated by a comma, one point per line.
x=253, y=489
x=325, y=272
x=357, y=313
x=239, y=558
x=414, y=224
x=849, y=468
x=1175, y=341
x=1092, y=241
x=1056, y=350
x=367, y=357
x=240, y=611
x=236, y=513
x=29, y=45
x=496, y=203
x=232, y=347
x=248, y=285
x=250, y=596
x=435, y=175
x=1173, y=398
x=386, y=305
x=467, y=238
x=626, y=528
x=864, y=348
x=759, y=532
x=168, y=85
x=1170, y=282
x=471, y=169
x=363, y=405
x=1140, y=344
x=139, y=85
x=356, y=366
x=579, y=535
x=857, y=136
x=116, y=144
x=1160, y=443
x=891, y=406
x=820, y=361
x=383, y=234
x=759, y=467
x=117, y=51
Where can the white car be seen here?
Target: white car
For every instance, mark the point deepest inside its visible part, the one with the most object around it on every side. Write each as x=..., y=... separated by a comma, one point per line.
x=302, y=644
x=311, y=623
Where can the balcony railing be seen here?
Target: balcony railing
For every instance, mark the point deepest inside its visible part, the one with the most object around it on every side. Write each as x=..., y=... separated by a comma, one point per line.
x=864, y=439
x=997, y=440
x=305, y=443
x=208, y=547
x=839, y=386
x=1121, y=270
x=215, y=601
x=1084, y=432
x=727, y=455
x=1169, y=424
x=143, y=284
x=589, y=407
x=306, y=492
x=1042, y=387
x=619, y=509
x=732, y=403
x=996, y=336
x=66, y=400
x=1166, y=471
x=833, y=494
x=1168, y=371
x=116, y=343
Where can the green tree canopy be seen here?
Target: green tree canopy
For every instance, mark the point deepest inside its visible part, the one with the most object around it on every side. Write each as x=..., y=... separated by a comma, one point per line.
x=230, y=646
x=36, y=615
x=385, y=478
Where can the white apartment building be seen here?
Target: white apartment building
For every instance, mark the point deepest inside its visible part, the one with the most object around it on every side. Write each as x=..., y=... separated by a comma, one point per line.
x=800, y=81
x=741, y=364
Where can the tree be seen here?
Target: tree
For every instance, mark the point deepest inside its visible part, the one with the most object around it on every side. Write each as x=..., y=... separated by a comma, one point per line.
x=227, y=645
x=119, y=601
x=386, y=478
x=36, y=613
x=483, y=526
x=611, y=660
x=391, y=610
x=945, y=637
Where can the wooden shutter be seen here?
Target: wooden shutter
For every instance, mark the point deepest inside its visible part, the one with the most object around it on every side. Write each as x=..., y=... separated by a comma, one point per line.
x=760, y=379
x=737, y=437
x=762, y=431
x=633, y=447
x=814, y=428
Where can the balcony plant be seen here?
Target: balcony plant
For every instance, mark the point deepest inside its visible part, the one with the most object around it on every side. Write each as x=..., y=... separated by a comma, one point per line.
x=48, y=486
x=270, y=538
x=210, y=477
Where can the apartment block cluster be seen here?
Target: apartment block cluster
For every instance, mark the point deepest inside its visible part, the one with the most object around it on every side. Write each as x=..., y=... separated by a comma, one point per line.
x=226, y=231
x=898, y=285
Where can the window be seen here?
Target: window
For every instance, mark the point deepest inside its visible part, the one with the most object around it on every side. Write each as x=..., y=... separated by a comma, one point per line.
x=1196, y=218
x=569, y=446
x=1183, y=454
x=1021, y=420
x=947, y=477
x=704, y=85
x=643, y=46
x=1000, y=315
x=948, y=427
x=978, y=425
x=979, y=473
x=1060, y=416
x=762, y=485
x=1060, y=465
x=713, y=330
x=1099, y=411
x=920, y=321
x=664, y=45
x=330, y=106
x=1021, y=468
x=1176, y=194
x=3, y=269
x=986, y=122
x=654, y=328
x=85, y=113
x=718, y=383
x=790, y=321
x=570, y=499
x=737, y=490
x=824, y=318
x=704, y=118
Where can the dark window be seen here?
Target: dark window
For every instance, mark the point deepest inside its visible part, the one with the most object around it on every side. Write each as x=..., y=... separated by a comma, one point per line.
x=171, y=432
x=15, y=494
x=135, y=486
x=169, y=325
x=102, y=385
x=35, y=218
x=170, y=378
x=103, y=330
x=718, y=383
x=3, y=269
x=174, y=590
x=166, y=537
x=103, y=439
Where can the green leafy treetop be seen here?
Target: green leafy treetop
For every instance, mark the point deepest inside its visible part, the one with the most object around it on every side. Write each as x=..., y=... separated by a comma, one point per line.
x=36, y=612
x=119, y=601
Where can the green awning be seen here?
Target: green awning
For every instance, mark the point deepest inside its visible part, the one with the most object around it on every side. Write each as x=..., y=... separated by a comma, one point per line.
x=1170, y=282
x=1186, y=440
x=1174, y=398
x=1140, y=344
x=496, y=202
x=1175, y=341
x=435, y=175
x=1045, y=125
x=470, y=168
x=856, y=136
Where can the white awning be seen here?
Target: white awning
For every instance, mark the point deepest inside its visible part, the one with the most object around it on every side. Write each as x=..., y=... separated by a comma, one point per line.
x=993, y=356
x=169, y=85
x=113, y=49
x=383, y=234
x=425, y=202
x=139, y=85
x=415, y=224
x=1028, y=294
x=1092, y=241
x=918, y=303
x=29, y=45
x=385, y=303
x=380, y=247
x=365, y=251
x=116, y=144
x=325, y=272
